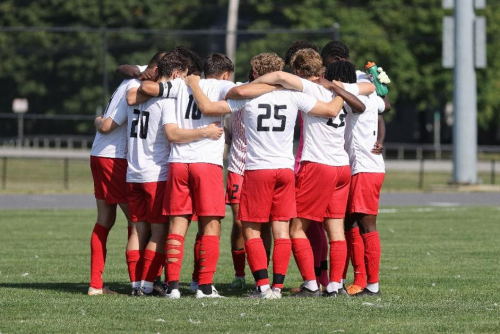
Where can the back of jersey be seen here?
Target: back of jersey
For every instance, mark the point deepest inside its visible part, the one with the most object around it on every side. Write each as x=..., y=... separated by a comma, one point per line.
x=269, y=124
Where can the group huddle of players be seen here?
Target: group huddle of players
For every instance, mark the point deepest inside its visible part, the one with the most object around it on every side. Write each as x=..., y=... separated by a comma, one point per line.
x=158, y=154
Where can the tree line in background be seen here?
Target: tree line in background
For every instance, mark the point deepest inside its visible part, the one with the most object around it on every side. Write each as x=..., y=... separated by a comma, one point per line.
x=62, y=73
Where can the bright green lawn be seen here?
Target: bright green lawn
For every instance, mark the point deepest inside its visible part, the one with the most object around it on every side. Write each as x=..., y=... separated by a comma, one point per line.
x=439, y=273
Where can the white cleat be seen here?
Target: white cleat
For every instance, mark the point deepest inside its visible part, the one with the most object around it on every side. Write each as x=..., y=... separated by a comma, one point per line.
x=214, y=294
x=193, y=287
x=175, y=294
x=271, y=294
x=104, y=291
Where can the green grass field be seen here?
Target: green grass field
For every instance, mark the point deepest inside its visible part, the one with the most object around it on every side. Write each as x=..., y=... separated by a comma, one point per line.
x=439, y=273
x=45, y=176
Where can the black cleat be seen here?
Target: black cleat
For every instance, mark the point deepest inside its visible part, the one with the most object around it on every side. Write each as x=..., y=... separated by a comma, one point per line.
x=366, y=293
x=335, y=294
x=133, y=292
x=306, y=293
x=157, y=292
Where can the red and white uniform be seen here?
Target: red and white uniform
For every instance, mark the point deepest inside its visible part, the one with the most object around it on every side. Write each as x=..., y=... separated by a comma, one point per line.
x=268, y=186
x=323, y=158
x=196, y=167
x=148, y=151
x=108, y=155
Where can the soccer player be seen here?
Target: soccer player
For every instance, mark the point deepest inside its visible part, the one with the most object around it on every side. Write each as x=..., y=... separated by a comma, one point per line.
x=109, y=166
x=268, y=186
x=146, y=178
x=323, y=157
x=261, y=64
x=368, y=171
x=195, y=177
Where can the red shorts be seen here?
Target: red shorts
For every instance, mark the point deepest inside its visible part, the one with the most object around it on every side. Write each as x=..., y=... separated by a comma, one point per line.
x=145, y=201
x=109, y=176
x=365, y=193
x=233, y=188
x=322, y=191
x=268, y=195
x=193, y=186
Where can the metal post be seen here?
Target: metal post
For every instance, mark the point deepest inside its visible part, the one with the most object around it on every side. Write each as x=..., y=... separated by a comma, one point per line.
x=20, y=127
x=492, y=171
x=4, y=173
x=336, y=33
x=464, y=96
x=231, y=29
x=66, y=173
x=105, y=66
x=437, y=135
x=421, y=174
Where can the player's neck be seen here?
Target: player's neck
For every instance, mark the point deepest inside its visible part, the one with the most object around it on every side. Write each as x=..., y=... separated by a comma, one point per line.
x=163, y=79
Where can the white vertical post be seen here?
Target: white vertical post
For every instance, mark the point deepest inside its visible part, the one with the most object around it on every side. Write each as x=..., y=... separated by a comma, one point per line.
x=232, y=27
x=464, y=96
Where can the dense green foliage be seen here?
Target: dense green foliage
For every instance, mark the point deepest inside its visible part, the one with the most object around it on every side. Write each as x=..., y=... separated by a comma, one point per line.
x=63, y=72
x=436, y=276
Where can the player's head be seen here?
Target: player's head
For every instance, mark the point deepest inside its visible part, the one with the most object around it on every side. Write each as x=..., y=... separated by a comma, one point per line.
x=342, y=70
x=266, y=63
x=172, y=65
x=307, y=63
x=296, y=46
x=218, y=66
x=334, y=51
x=195, y=64
x=153, y=63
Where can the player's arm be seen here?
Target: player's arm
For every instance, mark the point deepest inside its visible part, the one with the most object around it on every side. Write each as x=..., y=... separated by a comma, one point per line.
x=287, y=80
x=330, y=109
x=337, y=87
x=105, y=125
x=206, y=106
x=383, y=105
x=177, y=135
x=251, y=90
x=133, y=72
x=134, y=96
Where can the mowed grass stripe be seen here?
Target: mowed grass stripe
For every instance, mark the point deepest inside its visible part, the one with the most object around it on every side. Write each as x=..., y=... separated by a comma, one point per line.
x=438, y=274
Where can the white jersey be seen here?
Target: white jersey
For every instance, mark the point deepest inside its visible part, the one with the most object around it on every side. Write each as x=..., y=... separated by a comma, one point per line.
x=238, y=151
x=269, y=123
x=188, y=116
x=148, y=147
x=323, y=137
x=114, y=144
x=361, y=135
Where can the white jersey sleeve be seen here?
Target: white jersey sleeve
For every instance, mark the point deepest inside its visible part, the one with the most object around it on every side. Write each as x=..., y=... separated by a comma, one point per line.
x=170, y=88
x=225, y=86
x=380, y=104
x=304, y=102
x=236, y=105
x=351, y=88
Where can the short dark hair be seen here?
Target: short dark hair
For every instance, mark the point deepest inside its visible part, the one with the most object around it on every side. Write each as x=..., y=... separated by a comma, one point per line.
x=170, y=62
x=156, y=59
x=336, y=50
x=250, y=75
x=342, y=70
x=296, y=46
x=216, y=64
x=195, y=64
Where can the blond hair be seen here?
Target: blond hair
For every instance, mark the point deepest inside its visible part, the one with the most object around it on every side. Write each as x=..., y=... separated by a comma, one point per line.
x=308, y=62
x=266, y=63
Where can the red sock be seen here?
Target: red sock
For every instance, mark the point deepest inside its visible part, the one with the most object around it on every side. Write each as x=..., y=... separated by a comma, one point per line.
x=372, y=255
x=256, y=256
x=303, y=254
x=196, y=263
x=97, y=255
x=348, y=240
x=129, y=231
x=209, y=256
x=174, y=266
x=134, y=264
x=239, y=262
x=338, y=253
x=358, y=258
x=281, y=259
x=151, y=265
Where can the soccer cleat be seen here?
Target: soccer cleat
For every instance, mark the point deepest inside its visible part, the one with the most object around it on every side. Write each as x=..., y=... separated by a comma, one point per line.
x=271, y=293
x=174, y=294
x=354, y=289
x=214, y=294
x=161, y=291
x=365, y=293
x=335, y=294
x=255, y=294
x=157, y=292
x=104, y=291
x=193, y=287
x=133, y=292
x=305, y=293
x=237, y=284
x=296, y=290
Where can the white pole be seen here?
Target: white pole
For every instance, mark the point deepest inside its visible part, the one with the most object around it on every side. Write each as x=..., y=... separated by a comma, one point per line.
x=232, y=27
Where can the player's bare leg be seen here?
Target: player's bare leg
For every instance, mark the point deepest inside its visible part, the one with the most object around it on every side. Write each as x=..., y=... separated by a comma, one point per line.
x=175, y=252
x=136, y=245
x=267, y=238
x=126, y=212
x=208, y=255
x=154, y=258
x=303, y=254
x=338, y=253
x=372, y=250
x=106, y=217
x=237, y=251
